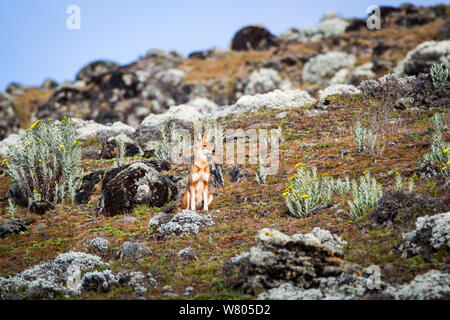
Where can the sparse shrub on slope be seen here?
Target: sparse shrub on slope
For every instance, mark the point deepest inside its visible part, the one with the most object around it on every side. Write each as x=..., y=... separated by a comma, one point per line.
x=44, y=166
x=365, y=196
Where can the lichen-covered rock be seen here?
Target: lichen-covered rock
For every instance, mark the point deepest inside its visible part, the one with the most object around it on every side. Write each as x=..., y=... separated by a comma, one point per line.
x=10, y=227
x=96, y=245
x=432, y=285
x=133, y=250
x=265, y=80
x=344, y=90
x=48, y=279
x=330, y=25
x=90, y=128
x=323, y=67
x=343, y=287
x=120, y=189
x=273, y=100
x=304, y=260
x=423, y=57
x=183, y=223
x=186, y=253
x=323, y=237
x=253, y=38
x=431, y=233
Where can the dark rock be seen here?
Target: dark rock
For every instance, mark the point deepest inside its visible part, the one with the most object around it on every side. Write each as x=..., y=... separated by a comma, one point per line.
x=401, y=206
x=427, y=170
x=237, y=174
x=41, y=207
x=356, y=25
x=95, y=69
x=206, y=54
x=253, y=38
x=216, y=176
x=138, y=183
x=11, y=227
x=88, y=184
x=17, y=195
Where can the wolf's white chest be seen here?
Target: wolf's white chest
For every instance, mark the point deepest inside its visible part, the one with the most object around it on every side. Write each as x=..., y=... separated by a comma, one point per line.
x=200, y=176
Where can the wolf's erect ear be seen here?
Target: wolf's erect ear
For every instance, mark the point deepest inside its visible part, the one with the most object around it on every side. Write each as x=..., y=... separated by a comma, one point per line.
x=198, y=138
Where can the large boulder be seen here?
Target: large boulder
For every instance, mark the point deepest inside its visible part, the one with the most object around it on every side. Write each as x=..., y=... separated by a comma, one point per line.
x=253, y=38
x=323, y=67
x=423, y=57
x=48, y=279
x=125, y=187
x=303, y=261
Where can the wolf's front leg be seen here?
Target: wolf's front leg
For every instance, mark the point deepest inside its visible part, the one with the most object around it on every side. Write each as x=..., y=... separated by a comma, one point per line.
x=205, y=199
x=193, y=202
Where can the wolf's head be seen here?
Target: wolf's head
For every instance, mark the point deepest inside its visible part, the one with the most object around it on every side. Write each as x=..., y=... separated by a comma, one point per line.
x=203, y=147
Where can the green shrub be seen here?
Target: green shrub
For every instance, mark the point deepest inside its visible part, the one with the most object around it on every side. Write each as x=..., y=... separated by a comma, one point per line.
x=44, y=165
x=439, y=75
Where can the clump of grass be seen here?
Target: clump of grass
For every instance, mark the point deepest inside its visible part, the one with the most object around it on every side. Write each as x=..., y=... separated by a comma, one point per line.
x=44, y=165
x=365, y=196
x=439, y=75
x=365, y=139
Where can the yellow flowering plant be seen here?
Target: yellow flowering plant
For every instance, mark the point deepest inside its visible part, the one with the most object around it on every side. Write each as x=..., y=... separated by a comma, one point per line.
x=47, y=154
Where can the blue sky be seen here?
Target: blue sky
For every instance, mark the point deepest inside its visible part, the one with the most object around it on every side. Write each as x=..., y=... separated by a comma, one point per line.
x=36, y=44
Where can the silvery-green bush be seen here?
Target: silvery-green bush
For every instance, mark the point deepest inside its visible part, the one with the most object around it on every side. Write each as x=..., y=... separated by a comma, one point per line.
x=307, y=192
x=440, y=149
x=439, y=75
x=365, y=139
x=365, y=196
x=44, y=165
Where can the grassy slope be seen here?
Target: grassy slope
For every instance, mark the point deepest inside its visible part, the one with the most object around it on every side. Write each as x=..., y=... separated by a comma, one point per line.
x=240, y=210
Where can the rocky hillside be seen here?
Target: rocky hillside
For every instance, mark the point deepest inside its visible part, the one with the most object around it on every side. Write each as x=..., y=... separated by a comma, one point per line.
x=358, y=209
